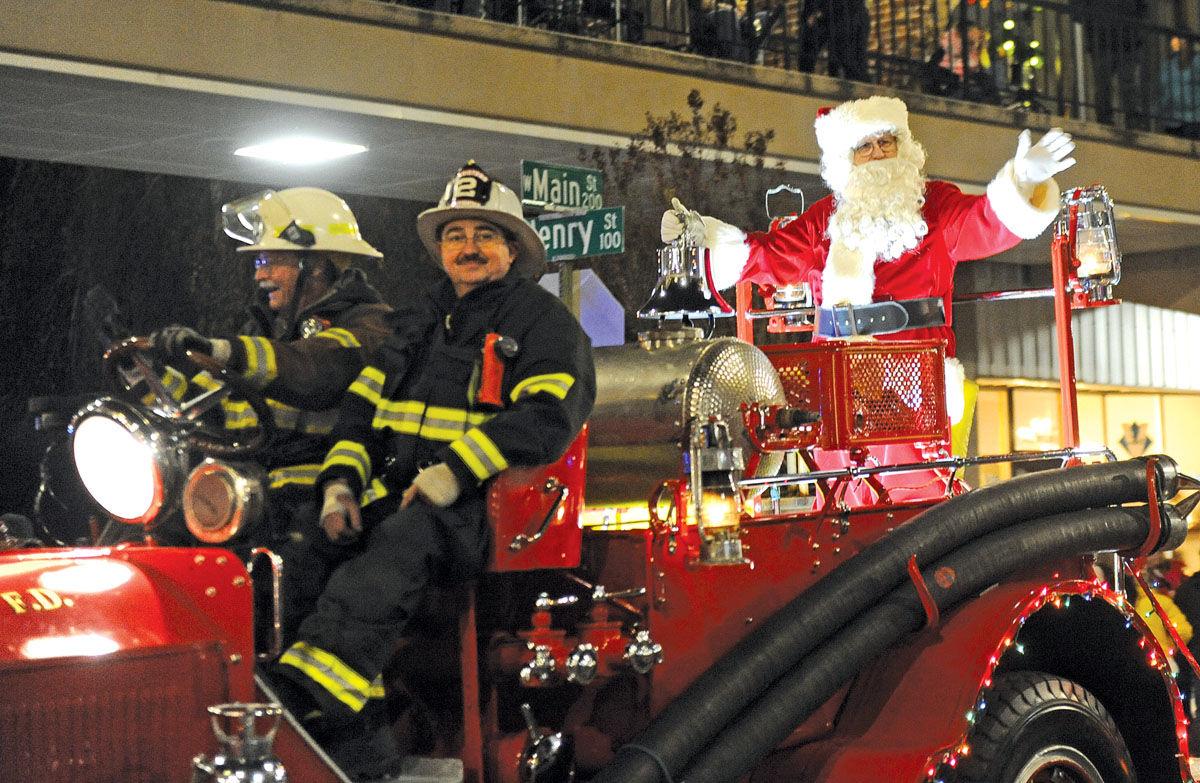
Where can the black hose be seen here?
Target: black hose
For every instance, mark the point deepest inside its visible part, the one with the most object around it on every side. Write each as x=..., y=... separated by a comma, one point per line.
x=739, y=677
x=978, y=565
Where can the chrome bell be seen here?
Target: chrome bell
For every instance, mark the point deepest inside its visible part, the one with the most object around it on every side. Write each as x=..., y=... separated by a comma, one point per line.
x=682, y=290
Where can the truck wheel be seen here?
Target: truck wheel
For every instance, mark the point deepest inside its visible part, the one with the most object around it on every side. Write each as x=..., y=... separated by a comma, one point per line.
x=1038, y=728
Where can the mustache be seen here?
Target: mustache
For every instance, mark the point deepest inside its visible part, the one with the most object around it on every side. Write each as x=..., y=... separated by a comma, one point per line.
x=472, y=258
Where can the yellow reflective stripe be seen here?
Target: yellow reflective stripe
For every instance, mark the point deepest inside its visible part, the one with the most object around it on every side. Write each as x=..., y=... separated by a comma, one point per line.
x=173, y=381
x=376, y=491
x=343, y=337
x=260, y=360
x=347, y=452
x=327, y=670
x=376, y=691
x=555, y=383
x=205, y=381
x=294, y=474
x=434, y=422
x=349, y=229
x=369, y=385
x=239, y=415
x=479, y=453
x=176, y=383
x=403, y=416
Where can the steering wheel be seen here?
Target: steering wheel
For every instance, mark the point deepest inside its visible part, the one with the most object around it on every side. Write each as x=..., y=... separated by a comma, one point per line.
x=127, y=363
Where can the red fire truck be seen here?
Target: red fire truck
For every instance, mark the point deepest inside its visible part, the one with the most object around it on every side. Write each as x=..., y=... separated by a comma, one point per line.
x=727, y=577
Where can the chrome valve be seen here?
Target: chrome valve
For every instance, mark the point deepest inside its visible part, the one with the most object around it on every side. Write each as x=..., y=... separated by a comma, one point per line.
x=582, y=664
x=547, y=758
x=541, y=668
x=643, y=653
x=246, y=754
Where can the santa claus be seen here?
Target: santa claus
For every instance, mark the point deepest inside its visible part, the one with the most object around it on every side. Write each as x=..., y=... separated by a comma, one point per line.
x=887, y=236
x=879, y=253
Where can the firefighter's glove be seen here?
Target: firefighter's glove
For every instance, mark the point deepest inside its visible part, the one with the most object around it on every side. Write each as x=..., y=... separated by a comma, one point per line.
x=1035, y=163
x=341, y=518
x=680, y=221
x=437, y=484
x=174, y=341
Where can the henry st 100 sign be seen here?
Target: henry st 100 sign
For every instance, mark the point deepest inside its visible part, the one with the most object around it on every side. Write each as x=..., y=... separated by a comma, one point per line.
x=600, y=232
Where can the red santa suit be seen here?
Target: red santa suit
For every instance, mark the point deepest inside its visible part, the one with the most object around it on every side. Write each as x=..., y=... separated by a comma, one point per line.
x=957, y=227
x=961, y=228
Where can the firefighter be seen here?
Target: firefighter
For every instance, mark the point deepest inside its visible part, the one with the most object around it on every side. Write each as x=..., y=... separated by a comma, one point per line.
x=420, y=433
x=305, y=340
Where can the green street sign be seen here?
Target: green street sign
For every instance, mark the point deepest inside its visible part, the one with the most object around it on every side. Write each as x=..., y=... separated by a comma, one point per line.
x=600, y=232
x=558, y=188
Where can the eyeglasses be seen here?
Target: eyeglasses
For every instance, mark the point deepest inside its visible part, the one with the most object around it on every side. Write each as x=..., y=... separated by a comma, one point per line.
x=484, y=238
x=262, y=259
x=886, y=144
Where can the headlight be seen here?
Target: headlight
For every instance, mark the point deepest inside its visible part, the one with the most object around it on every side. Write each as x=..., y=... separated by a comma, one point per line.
x=219, y=500
x=126, y=464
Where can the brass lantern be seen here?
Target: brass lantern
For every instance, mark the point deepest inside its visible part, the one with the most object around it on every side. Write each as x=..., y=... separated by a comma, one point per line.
x=1087, y=222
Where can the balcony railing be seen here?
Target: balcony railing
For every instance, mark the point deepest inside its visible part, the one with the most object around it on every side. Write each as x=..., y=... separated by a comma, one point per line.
x=1047, y=56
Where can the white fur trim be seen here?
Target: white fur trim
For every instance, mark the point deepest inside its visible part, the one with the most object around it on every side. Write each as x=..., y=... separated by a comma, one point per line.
x=956, y=399
x=848, y=276
x=728, y=251
x=1012, y=205
x=846, y=126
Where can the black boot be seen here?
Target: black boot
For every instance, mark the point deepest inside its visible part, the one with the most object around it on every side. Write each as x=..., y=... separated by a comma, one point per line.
x=365, y=747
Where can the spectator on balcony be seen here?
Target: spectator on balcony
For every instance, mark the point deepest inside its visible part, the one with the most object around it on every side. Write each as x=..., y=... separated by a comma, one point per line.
x=945, y=71
x=1112, y=35
x=1179, y=90
x=841, y=27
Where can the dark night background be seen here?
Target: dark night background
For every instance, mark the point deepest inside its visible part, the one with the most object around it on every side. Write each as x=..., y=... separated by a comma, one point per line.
x=156, y=243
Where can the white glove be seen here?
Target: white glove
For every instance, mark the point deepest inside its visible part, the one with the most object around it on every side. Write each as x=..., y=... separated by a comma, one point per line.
x=679, y=220
x=437, y=484
x=1036, y=163
x=340, y=516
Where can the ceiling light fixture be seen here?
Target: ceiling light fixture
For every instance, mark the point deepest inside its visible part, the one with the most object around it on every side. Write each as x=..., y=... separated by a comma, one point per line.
x=300, y=150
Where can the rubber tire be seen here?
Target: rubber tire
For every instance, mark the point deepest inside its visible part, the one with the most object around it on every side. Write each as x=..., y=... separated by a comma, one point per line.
x=1029, y=713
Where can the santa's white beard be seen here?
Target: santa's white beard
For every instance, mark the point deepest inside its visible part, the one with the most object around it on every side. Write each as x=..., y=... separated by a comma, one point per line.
x=878, y=213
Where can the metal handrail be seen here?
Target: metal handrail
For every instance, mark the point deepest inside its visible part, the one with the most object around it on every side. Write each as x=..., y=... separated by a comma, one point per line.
x=954, y=463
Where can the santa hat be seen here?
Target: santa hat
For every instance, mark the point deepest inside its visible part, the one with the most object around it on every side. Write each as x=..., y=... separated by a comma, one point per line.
x=841, y=129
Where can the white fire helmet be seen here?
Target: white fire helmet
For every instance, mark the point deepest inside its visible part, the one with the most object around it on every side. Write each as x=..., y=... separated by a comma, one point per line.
x=296, y=219
x=474, y=194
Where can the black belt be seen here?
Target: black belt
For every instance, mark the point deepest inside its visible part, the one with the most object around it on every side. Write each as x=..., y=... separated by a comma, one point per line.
x=880, y=317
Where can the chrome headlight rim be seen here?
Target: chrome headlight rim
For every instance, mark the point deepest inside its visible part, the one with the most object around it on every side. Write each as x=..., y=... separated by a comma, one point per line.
x=166, y=457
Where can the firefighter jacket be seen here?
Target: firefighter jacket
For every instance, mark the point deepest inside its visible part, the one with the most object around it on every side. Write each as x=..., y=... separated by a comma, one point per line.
x=418, y=402
x=303, y=368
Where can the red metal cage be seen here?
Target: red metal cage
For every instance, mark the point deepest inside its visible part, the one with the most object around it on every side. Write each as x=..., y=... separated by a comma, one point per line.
x=867, y=393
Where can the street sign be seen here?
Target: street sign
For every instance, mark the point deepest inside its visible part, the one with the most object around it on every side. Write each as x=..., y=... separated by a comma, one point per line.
x=599, y=232
x=560, y=188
